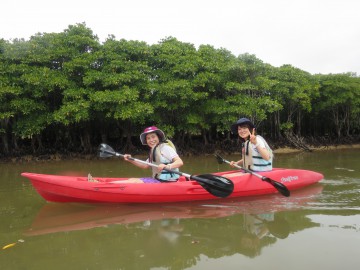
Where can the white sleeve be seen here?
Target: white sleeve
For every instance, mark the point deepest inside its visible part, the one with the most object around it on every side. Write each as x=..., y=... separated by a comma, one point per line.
x=169, y=152
x=260, y=142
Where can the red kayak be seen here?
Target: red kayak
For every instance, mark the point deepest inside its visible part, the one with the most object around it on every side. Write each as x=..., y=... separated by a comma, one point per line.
x=57, y=188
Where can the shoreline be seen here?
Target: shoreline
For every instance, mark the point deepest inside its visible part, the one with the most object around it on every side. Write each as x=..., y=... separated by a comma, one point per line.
x=75, y=156
x=288, y=150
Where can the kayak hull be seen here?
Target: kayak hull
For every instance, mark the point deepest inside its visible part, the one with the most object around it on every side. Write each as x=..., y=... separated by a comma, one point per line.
x=59, y=188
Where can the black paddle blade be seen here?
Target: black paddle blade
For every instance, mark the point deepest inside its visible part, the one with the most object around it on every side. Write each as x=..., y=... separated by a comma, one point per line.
x=219, y=159
x=106, y=151
x=279, y=186
x=216, y=185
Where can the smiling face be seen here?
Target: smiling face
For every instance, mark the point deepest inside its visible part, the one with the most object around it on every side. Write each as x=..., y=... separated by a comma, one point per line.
x=152, y=139
x=244, y=131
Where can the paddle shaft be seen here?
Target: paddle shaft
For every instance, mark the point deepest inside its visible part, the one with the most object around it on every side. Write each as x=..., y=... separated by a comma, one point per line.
x=279, y=186
x=216, y=185
x=151, y=164
x=246, y=170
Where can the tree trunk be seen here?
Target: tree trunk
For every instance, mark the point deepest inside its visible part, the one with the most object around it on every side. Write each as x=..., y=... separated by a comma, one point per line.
x=4, y=138
x=277, y=125
x=86, y=141
x=205, y=139
x=298, y=120
x=336, y=122
x=347, y=121
x=33, y=144
x=5, y=143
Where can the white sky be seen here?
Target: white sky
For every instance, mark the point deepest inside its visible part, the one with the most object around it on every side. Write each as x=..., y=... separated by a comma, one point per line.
x=318, y=36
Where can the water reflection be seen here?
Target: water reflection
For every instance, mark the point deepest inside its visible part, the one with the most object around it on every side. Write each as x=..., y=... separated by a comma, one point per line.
x=59, y=217
x=173, y=236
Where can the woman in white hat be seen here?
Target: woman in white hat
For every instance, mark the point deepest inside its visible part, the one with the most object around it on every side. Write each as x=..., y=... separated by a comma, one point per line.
x=256, y=153
x=162, y=153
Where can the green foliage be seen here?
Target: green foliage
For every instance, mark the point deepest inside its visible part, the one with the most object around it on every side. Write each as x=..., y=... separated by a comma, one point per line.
x=339, y=97
x=67, y=85
x=286, y=126
x=27, y=127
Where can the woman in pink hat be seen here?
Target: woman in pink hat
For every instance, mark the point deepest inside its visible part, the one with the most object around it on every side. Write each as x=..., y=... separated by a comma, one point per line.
x=162, y=153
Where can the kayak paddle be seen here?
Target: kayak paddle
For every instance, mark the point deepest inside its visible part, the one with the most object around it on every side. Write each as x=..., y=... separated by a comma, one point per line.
x=279, y=186
x=216, y=185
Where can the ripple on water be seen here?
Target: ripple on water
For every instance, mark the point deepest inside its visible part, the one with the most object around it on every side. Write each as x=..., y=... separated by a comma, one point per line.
x=338, y=221
x=344, y=169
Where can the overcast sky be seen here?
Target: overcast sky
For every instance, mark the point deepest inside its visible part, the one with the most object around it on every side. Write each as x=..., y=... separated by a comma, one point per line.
x=318, y=36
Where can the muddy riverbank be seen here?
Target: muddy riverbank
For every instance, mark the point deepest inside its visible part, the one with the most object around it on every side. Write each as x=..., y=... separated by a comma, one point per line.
x=143, y=154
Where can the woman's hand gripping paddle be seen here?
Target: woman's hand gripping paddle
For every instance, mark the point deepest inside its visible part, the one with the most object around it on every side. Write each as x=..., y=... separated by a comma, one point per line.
x=216, y=185
x=279, y=186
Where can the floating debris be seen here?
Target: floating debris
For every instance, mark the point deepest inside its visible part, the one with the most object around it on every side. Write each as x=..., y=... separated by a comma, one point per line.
x=9, y=246
x=345, y=169
x=13, y=244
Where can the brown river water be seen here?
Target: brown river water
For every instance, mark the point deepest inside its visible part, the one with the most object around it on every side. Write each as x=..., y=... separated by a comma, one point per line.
x=315, y=228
